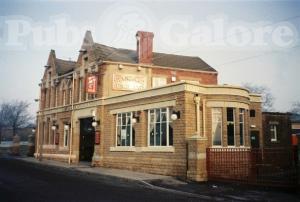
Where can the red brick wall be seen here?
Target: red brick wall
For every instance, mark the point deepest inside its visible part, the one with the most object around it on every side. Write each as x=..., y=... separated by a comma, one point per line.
x=202, y=77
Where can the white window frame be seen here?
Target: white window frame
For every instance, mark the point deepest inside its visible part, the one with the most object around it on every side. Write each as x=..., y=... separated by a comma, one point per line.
x=117, y=125
x=167, y=127
x=273, y=128
x=221, y=113
x=66, y=134
x=242, y=113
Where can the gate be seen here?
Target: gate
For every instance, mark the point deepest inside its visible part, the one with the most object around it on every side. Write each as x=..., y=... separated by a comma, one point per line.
x=269, y=167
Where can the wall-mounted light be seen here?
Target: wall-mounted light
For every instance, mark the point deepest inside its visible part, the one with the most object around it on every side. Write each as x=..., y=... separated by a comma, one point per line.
x=135, y=117
x=53, y=127
x=139, y=68
x=66, y=127
x=120, y=66
x=95, y=123
x=36, y=100
x=175, y=115
x=33, y=130
x=47, y=66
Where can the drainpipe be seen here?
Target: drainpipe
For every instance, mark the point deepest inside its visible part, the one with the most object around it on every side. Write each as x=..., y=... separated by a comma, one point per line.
x=71, y=130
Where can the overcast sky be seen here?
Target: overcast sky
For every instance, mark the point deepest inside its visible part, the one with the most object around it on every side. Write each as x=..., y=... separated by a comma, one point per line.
x=245, y=41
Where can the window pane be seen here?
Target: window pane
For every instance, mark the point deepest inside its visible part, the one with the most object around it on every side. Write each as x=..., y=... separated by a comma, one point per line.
x=133, y=137
x=152, y=134
x=230, y=114
x=157, y=135
x=170, y=135
x=241, y=134
x=119, y=136
x=216, y=126
x=164, y=134
x=157, y=112
x=128, y=136
x=123, y=119
x=217, y=134
x=163, y=117
x=230, y=134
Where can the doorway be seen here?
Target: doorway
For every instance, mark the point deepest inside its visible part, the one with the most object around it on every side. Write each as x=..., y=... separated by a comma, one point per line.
x=87, y=139
x=254, y=138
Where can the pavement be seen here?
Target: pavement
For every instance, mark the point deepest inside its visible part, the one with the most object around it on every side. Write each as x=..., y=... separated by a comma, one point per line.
x=212, y=191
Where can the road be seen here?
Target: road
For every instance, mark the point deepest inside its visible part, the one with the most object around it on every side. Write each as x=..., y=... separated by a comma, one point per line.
x=21, y=181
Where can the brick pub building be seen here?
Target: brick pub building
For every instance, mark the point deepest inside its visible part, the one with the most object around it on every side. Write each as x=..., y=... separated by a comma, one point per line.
x=141, y=110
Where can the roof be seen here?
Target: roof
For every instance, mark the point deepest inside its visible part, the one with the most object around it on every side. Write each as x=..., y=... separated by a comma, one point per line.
x=103, y=52
x=64, y=66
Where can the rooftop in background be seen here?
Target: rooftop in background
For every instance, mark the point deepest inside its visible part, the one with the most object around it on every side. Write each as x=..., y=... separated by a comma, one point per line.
x=295, y=118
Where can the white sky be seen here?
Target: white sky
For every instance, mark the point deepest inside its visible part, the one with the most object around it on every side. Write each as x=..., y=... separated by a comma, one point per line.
x=178, y=27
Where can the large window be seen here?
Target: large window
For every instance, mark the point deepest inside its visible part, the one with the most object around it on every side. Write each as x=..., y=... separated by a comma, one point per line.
x=80, y=90
x=70, y=96
x=230, y=126
x=66, y=137
x=242, y=126
x=273, y=132
x=160, y=131
x=125, y=132
x=56, y=97
x=217, y=126
x=64, y=98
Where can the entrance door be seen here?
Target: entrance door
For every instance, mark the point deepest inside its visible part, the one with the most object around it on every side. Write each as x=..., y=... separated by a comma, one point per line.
x=254, y=137
x=87, y=139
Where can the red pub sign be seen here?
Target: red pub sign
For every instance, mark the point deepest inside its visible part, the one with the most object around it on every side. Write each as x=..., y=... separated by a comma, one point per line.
x=91, y=84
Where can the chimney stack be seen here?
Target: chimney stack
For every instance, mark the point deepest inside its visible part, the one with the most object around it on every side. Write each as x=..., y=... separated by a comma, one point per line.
x=144, y=47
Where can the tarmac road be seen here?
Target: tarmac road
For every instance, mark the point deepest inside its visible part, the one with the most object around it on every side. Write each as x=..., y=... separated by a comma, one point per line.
x=21, y=181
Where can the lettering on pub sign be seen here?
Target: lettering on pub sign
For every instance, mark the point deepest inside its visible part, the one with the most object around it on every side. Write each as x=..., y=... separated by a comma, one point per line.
x=129, y=82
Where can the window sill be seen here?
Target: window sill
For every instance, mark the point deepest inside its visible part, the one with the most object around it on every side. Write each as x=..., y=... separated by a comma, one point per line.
x=166, y=149
x=122, y=149
x=63, y=148
x=49, y=146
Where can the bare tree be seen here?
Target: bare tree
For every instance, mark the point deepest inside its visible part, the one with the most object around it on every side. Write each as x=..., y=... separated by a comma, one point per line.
x=295, y=107
x=267, y=97
x=3, y=114
x=17, y=115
